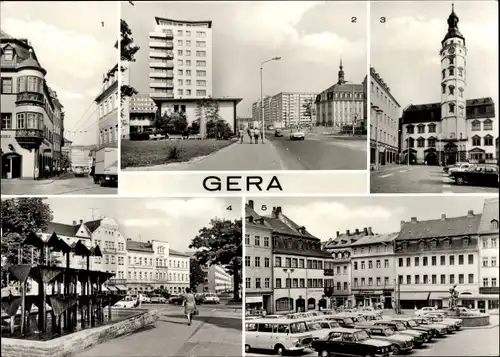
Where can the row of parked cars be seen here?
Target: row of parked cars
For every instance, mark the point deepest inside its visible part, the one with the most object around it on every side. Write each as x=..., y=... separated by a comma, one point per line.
x=205, y=298
x=473, y=174
x=347, y=333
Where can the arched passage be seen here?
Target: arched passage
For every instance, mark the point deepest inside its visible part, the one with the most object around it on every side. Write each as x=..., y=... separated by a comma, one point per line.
x=12, y=164
x=431, y=159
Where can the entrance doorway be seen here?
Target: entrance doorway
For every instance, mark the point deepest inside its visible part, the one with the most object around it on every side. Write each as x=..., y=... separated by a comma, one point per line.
x=431, y=159
x=11, y=165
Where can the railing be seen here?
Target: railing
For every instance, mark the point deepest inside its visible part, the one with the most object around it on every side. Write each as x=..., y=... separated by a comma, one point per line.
x=328, y=272
x=29, y=133
x=117, y=281
x=30, y=97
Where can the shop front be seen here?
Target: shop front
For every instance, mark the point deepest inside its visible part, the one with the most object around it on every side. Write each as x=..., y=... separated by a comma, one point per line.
x=254, y=305
x=368, y=298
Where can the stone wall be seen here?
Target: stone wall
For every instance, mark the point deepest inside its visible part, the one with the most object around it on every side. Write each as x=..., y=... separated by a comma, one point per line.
x=475, y=321
x=68, y=345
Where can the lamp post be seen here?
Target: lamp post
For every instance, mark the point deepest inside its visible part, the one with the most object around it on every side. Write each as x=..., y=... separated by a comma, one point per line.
x=261, y=101
x=288, y=272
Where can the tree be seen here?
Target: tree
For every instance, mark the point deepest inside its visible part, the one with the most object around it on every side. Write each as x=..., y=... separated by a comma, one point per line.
x=20, y=217
x=209, y=119
x=196, y=275
x=128, y=51
x=308, y=111
x=171, y=123
x=220, y=244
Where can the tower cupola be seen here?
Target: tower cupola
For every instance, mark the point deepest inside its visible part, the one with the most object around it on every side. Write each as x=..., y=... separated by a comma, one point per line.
x=453, y=30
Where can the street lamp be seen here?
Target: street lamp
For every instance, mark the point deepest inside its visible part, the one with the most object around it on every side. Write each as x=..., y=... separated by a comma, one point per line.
x=261, y=101
x=288, y=272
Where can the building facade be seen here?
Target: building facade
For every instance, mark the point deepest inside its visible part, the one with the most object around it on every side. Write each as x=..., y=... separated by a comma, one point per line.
x=108, y=102
x=141, y=268
x=455, y=129
x=434, y=255
x=373, y=270
x=32, y=116
x=341, y=105
x=340, y=250
x=384, y=121
x=258, y=262
x=142, y=112
x=219, y=280
x=180, y=59
x=178, y=272
x=489, y=256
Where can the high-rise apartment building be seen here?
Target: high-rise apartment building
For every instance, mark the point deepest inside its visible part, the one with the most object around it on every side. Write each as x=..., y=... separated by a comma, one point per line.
x=142, y=111
x=180, y=59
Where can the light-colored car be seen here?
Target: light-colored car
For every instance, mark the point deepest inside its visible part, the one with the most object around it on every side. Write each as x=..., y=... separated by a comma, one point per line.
x=211, y=298
x=156, y=136
x=158, y=299
x=457, y=322
x=425, y=310
x=459, y=167
x=297, y=135
x=146, y=299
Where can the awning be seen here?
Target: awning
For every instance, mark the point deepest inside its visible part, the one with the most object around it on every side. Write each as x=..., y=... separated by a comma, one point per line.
x=121, y=287
x=253, y=299
x=439, y=296
x=112, y=288
x=414, y=296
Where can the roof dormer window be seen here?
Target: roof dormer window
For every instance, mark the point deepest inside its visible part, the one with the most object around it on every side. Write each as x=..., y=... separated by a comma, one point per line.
x=8, y=54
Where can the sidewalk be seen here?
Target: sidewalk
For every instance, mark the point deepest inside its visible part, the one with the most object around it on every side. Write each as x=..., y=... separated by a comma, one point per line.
x=237, y=156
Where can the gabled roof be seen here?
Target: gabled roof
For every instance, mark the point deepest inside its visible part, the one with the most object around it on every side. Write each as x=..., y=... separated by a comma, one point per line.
x=70, y=230
x=444, y=227
x=139, y=246
x=376, y=238
x=490, y=213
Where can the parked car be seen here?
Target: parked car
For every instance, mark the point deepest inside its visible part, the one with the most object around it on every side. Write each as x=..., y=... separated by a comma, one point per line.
x=158, y=299
x=447, y=168
x=297, y=135
x=281, y=335
x=175, y=299
x=439, y=329
x=211, y=298
x=329, y=324
x=456, y=322
x=439, y=320
x=459, y=167
x=420, y=337
x=478, y=175
x=199, y=298
x=278, y=133
x=343, y=320
x=400, y=342
x=146, y=299
x=157, y=137
x=411, y=324
x=351, y=342
x=424, y=310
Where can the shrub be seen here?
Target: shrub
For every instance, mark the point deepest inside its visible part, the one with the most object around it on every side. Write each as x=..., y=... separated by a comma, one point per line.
x=139, y=136
x=174, y=153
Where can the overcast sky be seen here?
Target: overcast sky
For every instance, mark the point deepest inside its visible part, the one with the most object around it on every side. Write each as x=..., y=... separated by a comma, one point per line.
x=74, y=47
x=322, y=217
x=176, y=221
x=309, y=36
x=405, y=50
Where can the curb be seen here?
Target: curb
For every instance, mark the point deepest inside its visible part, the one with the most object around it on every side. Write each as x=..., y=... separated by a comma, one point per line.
x=480, y=327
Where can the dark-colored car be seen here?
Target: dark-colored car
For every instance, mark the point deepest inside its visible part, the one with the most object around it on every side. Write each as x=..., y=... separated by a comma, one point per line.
x=411, y=324
x=420, y=337
x=343, y=320
x=478, y=175
x=351, y=342
x=199, y=298
x=175, y=299
x=278, y=133
x=400, y=342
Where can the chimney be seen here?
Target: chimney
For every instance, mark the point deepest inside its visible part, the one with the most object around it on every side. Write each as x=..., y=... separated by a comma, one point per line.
x=370, y=231
x=278, y=209
x=470, y=213
x=250, y=203
x=74, y=223
x=302, y=230
x=348, y=232
x=129, y=238
x=443, y=216
x=402, y=224
x=365, y=230
x=413, y=219
x=338, y=233
x=81, y=221
x=357, y=231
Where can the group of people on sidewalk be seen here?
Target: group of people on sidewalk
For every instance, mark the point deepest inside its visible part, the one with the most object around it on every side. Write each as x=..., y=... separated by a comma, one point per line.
x=47, y=172
x=253, y=133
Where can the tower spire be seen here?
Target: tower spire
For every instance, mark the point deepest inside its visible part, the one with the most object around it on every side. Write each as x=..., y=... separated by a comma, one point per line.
x=341, y=73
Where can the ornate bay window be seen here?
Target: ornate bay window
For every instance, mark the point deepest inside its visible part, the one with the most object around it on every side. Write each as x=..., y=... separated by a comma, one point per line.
x=30, y=89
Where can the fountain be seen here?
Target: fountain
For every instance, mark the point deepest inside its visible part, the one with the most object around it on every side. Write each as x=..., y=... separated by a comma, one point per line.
x=469, y=319
x=77, y=319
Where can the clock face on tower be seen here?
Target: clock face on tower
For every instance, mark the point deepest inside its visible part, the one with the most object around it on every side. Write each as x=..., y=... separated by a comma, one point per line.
x=452, y=50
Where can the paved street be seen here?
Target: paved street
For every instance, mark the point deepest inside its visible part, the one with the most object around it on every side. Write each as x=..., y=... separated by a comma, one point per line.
x=319, y=152
x=216, y=331
x=418, y=179
x=473, y=342
x=66, y=185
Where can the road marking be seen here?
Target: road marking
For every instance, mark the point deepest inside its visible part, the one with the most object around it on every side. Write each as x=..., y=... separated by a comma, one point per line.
x=447, y=191
x=447, y=186
x=403, y=171
x=387, y=175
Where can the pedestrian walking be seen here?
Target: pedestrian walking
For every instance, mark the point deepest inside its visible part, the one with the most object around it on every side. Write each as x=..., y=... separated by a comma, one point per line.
x=241, y=135
x=140, y=298
x=249, y=132
x=256, y=135
x=189, y=304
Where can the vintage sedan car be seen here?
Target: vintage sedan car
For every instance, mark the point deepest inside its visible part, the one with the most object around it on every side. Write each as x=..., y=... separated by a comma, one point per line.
x=297, y=135
x=175, y=299
x=351, y=342
x=158, y=299
x=478, y=175
x=329, y=324
x=439, y=320
x=400, y=342
x=343, y=320
x=211, y=298
x=278, y=133
x=456, y=322
x=439, y=329
x=420, y=337
x=460, y=167
x=411, y=324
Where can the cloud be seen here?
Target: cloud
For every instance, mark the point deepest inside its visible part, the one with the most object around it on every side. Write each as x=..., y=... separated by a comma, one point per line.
x=61, y=52
x=145, y=222
x=200, y=207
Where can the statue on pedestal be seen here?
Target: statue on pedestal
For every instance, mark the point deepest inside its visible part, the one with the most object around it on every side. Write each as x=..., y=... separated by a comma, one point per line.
x=453, y=299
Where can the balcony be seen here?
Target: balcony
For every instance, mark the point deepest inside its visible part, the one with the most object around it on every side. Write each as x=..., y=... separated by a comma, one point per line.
x=109, y=250
x=29, y=139
x=164, y=34
x=159, y=84
x=161, y=64
x=161, y=95
x=489, y=290
x=163, y=74
x=29, y=97
x=117, y=281
x=161, y=54
x=328, y=272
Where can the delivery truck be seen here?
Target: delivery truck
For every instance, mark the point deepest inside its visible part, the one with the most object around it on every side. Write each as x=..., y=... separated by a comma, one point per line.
x=105, y=168
x=80, y=164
